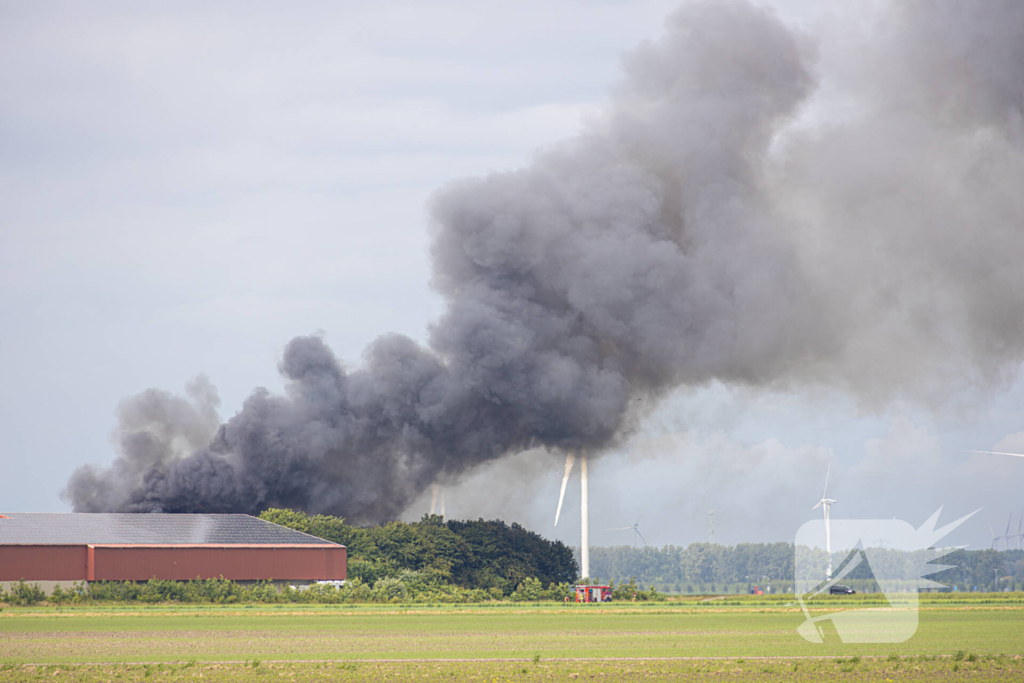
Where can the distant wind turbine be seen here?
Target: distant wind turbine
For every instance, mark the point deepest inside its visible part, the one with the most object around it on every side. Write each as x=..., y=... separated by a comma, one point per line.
x=636, y=530
x=826, y=504
x=1020, y=529
x=1006, y=536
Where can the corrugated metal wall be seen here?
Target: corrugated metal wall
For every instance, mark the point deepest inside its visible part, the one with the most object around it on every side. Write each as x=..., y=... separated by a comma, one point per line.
x=42, y=562
x=142, y=563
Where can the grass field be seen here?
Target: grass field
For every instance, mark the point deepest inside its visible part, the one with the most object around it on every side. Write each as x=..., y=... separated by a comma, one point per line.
x=700, y=640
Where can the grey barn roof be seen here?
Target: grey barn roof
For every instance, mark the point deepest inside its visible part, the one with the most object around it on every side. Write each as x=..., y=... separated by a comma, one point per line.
x=75, y=528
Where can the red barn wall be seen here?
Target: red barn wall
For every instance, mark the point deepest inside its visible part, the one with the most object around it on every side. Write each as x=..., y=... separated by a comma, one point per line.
x=141, y=563
x=183, y=562
x=42, y=562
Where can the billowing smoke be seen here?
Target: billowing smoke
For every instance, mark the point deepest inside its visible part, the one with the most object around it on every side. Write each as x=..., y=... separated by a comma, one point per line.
x=751, y=207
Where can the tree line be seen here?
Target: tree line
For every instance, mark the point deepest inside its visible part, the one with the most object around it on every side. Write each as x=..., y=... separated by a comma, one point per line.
x=497, y=557
x=711, y=568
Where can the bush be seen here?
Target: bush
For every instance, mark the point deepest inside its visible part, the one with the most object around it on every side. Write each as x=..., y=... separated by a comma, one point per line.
x=371, y=571
x=390, y=589
x=627, y=591
x=58, y=596
x=22, y=593
x=560, y=591
x=630, y=591
x=113, y=591
x=529, y=590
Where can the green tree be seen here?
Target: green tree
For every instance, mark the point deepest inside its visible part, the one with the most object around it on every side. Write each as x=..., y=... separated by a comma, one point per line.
x=472, y=554
x=289, y=518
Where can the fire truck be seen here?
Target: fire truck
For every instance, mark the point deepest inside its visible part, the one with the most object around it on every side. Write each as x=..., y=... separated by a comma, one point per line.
x=585, y=593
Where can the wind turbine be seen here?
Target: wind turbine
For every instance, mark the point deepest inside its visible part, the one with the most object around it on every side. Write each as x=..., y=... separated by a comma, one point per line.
x=636, y=530
x=995, y=539
x=1006, y=536
x=1020, y=526
x=826, y=504
x=570, y=460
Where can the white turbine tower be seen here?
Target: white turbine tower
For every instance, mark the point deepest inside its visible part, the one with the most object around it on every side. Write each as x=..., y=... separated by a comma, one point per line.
x=585, y=518
x=434, y=491
x=826, y=504
x=570, y=460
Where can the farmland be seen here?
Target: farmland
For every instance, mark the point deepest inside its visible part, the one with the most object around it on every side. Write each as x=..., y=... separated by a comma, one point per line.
x=701, y=639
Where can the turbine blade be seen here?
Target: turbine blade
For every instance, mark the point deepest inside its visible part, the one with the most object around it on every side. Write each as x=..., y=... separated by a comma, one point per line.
x=619, y=528
x=641, y=536
x=825, y=494
x=570, y=460
x=818, y=505
x=1018, y=455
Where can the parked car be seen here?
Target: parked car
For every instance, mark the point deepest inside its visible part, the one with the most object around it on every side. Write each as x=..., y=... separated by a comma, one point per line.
x=839, y=589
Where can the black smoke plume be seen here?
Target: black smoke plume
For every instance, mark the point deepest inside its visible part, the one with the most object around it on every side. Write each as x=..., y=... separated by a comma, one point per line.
x=713, y=224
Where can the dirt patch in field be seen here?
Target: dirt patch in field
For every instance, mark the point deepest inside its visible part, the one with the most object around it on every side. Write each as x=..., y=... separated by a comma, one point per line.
x=980, y=671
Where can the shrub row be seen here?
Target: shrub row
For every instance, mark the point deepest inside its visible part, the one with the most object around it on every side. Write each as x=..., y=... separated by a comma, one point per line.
x=405, y=587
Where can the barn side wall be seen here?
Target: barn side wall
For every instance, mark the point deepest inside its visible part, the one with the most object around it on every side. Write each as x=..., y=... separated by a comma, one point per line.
x=70, y=563
x=43, y=562
x=140, y=563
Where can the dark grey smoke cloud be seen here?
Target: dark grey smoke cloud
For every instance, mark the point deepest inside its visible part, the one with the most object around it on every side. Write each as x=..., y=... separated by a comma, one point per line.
x=700, y=230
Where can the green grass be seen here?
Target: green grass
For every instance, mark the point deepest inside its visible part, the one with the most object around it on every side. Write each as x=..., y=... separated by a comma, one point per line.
x=553, y=630
x=972, y=638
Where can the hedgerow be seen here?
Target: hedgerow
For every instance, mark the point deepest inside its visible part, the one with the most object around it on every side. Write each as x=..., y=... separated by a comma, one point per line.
x=404, y=587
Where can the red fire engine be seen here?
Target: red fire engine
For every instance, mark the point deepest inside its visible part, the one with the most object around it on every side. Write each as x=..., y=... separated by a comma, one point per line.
x=593, y=593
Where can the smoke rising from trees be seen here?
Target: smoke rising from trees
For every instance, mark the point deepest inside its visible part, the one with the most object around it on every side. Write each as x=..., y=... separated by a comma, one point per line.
x=722, y=219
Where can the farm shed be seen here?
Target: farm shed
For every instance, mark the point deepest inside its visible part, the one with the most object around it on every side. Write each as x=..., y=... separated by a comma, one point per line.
x=47, y=548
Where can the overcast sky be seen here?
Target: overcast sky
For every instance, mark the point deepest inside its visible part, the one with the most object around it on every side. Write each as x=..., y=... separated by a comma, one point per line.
x=186, y=187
